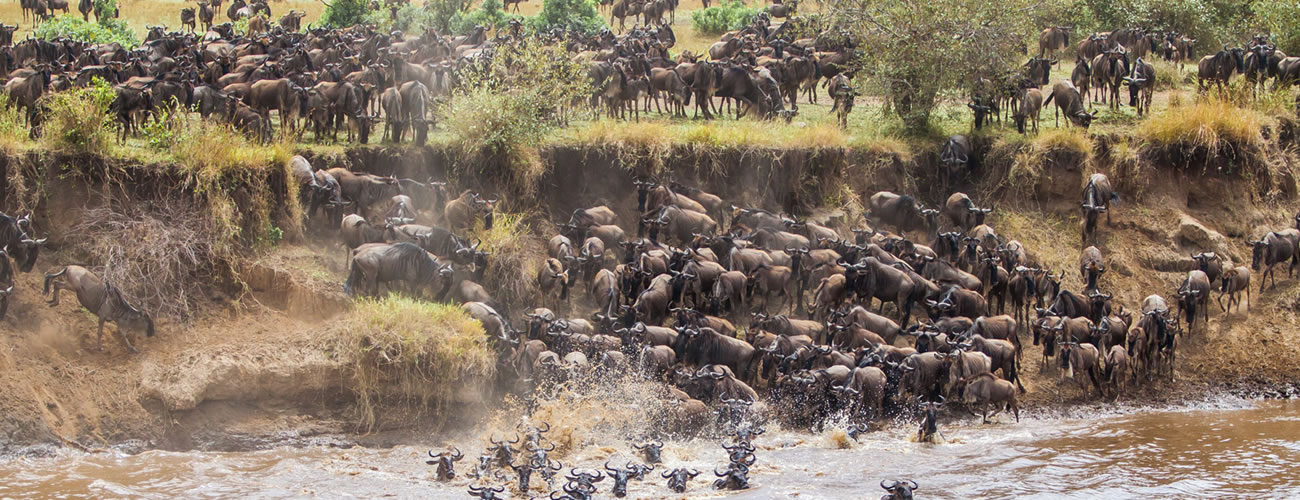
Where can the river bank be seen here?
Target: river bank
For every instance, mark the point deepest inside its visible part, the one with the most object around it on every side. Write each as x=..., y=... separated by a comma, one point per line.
x=252, y=369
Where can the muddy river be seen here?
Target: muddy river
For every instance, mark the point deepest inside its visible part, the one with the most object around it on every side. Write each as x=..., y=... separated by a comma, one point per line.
x=1240, y=449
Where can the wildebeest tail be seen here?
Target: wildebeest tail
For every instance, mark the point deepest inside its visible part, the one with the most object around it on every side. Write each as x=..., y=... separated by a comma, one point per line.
x=354, y=276
x=50, y=277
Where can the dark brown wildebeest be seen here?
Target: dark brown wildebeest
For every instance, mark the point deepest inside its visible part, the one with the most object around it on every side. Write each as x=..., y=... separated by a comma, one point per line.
x=391, y=102
x=1274, y=248
x=1141, y=86
x=25, y=91
x=705, y=346
x=1030, y=105
x=1091, y=267
x=1210, y=263
x=1053, y=40
x=101, y=298
x=1194, y=295
x=292, y=20
x=1077, y=358
x=280, y=95
x=1219, y=68
x=365, y=189
x=376, y=264
x=206, y=13
x=1097, y=196
x=902, y=212
x=1070, y=103
x=187, y=17
x=1081, y=76
x=1233, y=283
x=842, y=96
x=415, y=104
x=955, y=157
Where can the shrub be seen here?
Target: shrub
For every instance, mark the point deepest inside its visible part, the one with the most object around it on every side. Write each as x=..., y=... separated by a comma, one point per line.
x=572, y=15
x=500, y=110
x=13, y=131
x=344, y=13
x=413, y=351
x=723, y=18
x=78, y=120
x=107, y=30
x=488, y=14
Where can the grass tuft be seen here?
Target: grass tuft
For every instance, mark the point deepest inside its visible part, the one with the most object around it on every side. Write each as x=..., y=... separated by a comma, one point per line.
x=1209, y=124
x=515, y=253
x=412, y=352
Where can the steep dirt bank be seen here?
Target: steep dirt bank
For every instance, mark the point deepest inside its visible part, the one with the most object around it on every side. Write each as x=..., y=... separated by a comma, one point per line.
x=252, y=367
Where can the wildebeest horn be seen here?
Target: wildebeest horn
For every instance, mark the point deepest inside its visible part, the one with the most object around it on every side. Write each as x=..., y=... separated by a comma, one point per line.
x=891, y=485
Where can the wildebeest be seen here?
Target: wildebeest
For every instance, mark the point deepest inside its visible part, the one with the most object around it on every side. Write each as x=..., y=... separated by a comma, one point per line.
x=1030, y=104
x=955, y=158
x=1097, y=196
x=1233, y=283
x=903, y=212
x=1219, y=68
x=1052, y=40
x=1070, y=103
x=1194, y=295
x=1078, y=358
x=381, y=263
x=1091, y=267
x=985, y=390
x=1141, y=85
x=103, y=299
x=1274, y=248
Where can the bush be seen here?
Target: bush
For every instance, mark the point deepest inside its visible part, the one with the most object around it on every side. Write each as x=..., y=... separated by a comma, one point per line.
x=572, y=15
x=78, y=120
x=1282, y=20
x=501, y=111
x=344, y=13
x=418, y=352
x=489, y=14
x=107, y=30
x=516, y=252
x=723, y=18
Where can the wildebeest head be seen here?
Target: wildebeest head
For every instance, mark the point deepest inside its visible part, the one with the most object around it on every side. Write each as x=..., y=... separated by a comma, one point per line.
x=651, y=451
x=899, y=490
x=955, y=155
x=1134, y=88
x=486, y=492
x=525, y=471
x=620, y=477
x=677, y=478
x=25, y=252
x=446, y=462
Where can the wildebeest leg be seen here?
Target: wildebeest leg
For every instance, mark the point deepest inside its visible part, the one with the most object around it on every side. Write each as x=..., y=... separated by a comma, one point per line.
x=122, y=334
x=99, y=339
x=54, y=299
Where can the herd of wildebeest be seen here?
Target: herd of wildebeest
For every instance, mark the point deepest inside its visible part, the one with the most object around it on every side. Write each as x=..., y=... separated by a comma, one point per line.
x=734, y=309
x=814, y=335
x=326, y=80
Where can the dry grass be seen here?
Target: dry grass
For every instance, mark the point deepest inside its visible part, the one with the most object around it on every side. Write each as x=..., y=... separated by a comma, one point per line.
x=160, y=252
x=410, y=352
x=1210, y=125
x=1028, y=157
x=516, y=251
x=721, y=133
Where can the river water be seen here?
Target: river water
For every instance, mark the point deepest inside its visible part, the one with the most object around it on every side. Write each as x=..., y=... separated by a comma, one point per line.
x=1249, y=449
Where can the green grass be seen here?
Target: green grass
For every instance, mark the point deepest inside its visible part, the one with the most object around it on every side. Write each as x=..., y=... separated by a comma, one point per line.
x=415, y=351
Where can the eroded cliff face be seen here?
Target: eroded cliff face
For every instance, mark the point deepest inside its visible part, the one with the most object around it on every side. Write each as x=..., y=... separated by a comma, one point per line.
x=255, y=367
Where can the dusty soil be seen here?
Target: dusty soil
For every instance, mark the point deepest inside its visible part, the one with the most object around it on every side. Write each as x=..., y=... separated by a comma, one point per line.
x=255, y=368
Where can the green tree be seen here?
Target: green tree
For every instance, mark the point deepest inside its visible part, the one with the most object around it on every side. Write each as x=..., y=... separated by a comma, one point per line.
x=1280, y=18
x=577, y=15
x=344, y=13
x=915, y=50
